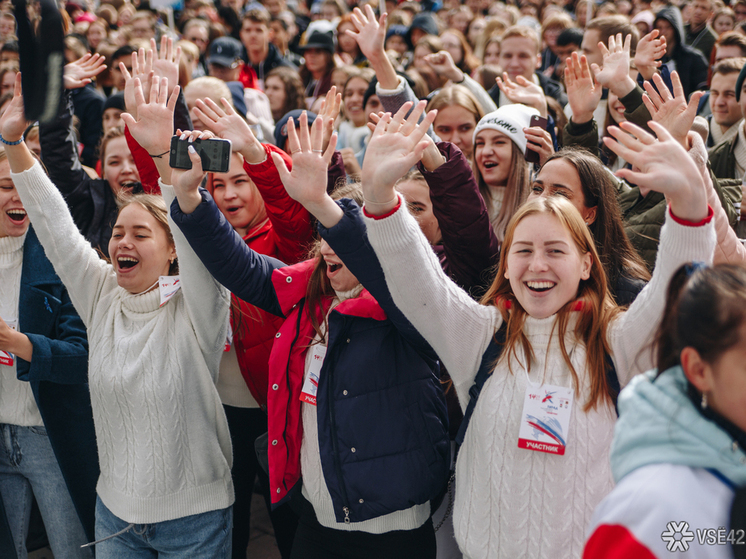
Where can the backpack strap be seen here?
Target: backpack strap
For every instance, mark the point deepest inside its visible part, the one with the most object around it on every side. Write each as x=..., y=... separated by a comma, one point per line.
x=489, y=357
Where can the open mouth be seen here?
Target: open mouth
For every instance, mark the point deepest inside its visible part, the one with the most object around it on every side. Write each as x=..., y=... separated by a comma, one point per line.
x=540, y=286
x=126, y=262
x=490, y=165
x=334, y=267
x=17, y=215
x=129, y=185
x=233, y=209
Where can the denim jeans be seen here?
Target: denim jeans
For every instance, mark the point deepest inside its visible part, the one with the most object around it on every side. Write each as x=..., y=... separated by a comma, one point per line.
x=199, y=536
x=27, y=463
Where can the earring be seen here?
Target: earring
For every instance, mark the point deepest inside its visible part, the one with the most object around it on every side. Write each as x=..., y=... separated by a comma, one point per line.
x=704, y=401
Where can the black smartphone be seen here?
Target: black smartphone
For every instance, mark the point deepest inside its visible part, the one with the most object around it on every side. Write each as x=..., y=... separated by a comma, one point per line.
x=215, y=154
x=533, y=156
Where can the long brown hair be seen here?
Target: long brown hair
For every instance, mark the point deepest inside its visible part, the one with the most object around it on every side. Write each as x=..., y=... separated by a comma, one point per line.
x=516, y=190
x=616, y=252
x=319, y=288
x=598, y=309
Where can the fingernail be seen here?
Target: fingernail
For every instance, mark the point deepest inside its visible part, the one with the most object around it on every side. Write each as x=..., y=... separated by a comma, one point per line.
x=183, y=136
x=192, y=150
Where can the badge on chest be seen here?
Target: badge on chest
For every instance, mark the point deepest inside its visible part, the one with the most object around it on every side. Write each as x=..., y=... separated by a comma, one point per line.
x=311, y=382
x=6, y=357
x=545, y=419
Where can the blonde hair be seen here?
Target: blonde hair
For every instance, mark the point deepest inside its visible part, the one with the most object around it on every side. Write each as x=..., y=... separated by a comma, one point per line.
x=156, y=207
x=596, y=306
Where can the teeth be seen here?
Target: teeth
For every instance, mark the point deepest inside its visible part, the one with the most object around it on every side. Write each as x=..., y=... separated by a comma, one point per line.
x=16, y=212
x=540, y=284
x=127, y=259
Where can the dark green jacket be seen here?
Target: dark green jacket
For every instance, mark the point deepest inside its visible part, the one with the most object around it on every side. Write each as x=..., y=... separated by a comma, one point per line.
x=723, y=159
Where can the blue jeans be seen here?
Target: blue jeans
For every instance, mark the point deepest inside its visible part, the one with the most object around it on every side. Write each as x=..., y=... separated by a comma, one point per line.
x=199, y=536
x=28, y=464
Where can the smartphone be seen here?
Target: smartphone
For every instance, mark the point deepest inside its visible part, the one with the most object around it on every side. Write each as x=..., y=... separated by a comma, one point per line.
x=532, y=156
x=215, y=154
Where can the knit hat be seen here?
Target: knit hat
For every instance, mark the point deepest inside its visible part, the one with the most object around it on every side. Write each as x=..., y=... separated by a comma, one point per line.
x=739, y=82
x=281, y=130
x=510, y=120
x=116, y=101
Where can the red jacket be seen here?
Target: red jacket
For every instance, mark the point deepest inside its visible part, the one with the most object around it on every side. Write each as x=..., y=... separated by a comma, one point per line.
x=285, y=235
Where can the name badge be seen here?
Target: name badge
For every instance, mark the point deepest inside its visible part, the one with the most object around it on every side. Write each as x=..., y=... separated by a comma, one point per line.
x=545, y=420
x=6, y=357
x=168, y=286
x=311, y=383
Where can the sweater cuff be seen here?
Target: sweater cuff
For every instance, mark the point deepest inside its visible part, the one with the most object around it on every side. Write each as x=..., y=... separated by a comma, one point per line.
x=390, y=92
x=632, y=100
x=388, y=214
x=579, y=129
x=685, y=223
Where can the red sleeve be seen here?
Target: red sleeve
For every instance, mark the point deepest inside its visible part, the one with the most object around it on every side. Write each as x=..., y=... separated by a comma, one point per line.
x=613, y=541
x=144, y=163
x=291, y=222
x=387, y=214
x=684, y=222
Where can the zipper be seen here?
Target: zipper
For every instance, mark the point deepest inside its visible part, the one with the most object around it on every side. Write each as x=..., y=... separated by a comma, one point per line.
x=332, y=421
x=287, y=383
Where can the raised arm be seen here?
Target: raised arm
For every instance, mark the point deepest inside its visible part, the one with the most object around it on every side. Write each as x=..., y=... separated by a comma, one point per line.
x=442, y=64
x=78, y=265
x=469, y=241
x=450, y=321
x=687, y=235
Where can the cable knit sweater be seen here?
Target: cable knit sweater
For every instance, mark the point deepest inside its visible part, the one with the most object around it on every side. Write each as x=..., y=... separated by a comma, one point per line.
x=512, y=502
x=163, y=441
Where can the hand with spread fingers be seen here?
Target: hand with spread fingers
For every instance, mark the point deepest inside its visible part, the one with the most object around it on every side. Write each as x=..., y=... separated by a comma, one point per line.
x=155, y=121
x=142, y=69
x=81, y=72
x=663, y=166
x=431, y=156
x=583, y=91
x=650, y=49
x=394, y=147
x=166, y=61
x=306, y=183
x=523, y=91
x=615, y=72
x=672, y=111
x=371, y=31
x=229, y=125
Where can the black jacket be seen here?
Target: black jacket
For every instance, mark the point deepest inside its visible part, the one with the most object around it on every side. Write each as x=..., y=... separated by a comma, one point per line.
x=273, y=60
x=691, y=64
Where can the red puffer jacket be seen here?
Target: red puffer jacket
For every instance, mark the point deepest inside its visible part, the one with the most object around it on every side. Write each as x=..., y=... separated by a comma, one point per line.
x=285, y=235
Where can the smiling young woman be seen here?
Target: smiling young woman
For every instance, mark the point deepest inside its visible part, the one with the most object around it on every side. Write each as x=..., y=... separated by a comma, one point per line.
x=561, y=327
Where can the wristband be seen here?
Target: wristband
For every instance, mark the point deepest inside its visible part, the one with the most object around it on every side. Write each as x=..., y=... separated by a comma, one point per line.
x=7, y=143
x=160, y=155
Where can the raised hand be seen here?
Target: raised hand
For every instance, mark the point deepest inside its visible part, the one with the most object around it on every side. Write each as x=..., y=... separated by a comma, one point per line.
x=583, y=92
x=229, y=125
x=142, y=69
x=664, y=166
x=431, y=157
x=371, y=32
x=523, y=91
x=442, y=64
x=650, y=49
x=80, y=73
x=154, y=124
x=394, y=147
x=13, y=123
x=329, y=112
x=615, y=72
x=166, y=62
x=306, y=183
x=672, y=111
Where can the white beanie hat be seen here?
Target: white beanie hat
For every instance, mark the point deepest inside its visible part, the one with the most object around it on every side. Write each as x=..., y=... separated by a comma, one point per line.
x=510, y=120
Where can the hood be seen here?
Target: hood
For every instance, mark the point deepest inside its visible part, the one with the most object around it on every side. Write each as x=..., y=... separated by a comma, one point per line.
x=658, y=424
x=673, y=16
x=424, y=21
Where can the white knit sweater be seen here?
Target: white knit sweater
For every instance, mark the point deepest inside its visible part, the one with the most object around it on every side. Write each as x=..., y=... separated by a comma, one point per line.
x=163, y=441
x=513, y=502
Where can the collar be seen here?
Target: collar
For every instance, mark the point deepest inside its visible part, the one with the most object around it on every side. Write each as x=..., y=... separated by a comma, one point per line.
x=11, y=250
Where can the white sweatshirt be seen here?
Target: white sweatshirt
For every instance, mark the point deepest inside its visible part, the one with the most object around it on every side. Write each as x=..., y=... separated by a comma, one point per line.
x=513, y=502
x=163, y=441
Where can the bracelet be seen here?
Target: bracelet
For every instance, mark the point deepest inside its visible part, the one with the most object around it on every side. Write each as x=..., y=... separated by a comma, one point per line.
x=7, y=143
x=160, y=155
x=368, y=202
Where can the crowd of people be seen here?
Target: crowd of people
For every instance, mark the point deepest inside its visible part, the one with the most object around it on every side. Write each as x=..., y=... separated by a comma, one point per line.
x=472, y=285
